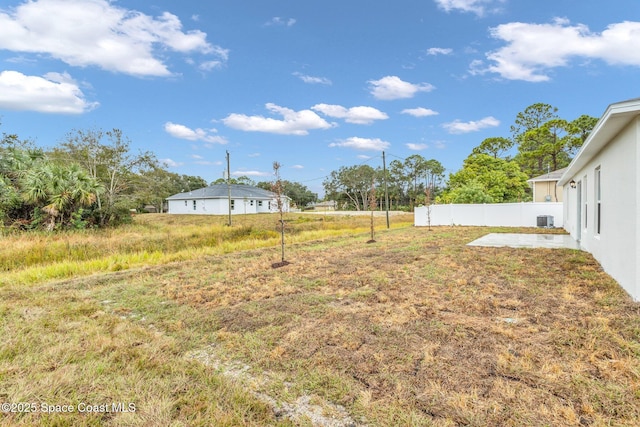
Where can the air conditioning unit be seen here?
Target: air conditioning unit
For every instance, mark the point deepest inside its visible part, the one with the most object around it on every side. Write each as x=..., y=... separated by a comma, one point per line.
x=545, y=221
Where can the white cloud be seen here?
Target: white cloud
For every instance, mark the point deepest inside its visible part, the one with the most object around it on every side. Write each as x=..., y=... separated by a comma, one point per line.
x=420, y=112
x=357, y=115
x=210, y=65
x=52, y=93
x=170, y=163
x=254, y=155
x=363, y=157
x=297, y=167
x=440, y=144
x=293, y=122
x=208, y=163
x=280, y=22
x=357, y=143
x=98, y=33
x=532, y=50
x=479, y=7
x=439, y=51
x=183, y=132
x=457, y=127
x=392, y=87
x=21, y=59
x=313, y=80
x=417, y=147
x=250, y=173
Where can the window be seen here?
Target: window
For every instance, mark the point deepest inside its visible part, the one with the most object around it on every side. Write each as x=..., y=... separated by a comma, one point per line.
x=251, y=203
x=597, y=199
x=233, y=204
x=586, y=204
x=186, y=203
x=195, y=205
x=260, y=203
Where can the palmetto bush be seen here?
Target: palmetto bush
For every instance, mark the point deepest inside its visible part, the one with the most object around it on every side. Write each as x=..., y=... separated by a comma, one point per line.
x=37, y=191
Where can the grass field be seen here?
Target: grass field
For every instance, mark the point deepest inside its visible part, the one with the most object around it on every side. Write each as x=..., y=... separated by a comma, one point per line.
x=159, y=239
x=414, y=329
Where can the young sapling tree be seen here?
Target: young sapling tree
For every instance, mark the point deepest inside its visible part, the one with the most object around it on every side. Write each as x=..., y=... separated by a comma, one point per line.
x=428, y=195
x=278, y=188
x=373, y=204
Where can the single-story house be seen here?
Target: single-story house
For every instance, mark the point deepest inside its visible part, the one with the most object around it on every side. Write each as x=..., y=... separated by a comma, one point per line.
x=545, y=187
x=214, y=200
x=601, y=189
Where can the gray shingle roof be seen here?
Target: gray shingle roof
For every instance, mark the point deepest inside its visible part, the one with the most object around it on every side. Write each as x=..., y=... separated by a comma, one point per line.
x=551, y=176
x=220, y=191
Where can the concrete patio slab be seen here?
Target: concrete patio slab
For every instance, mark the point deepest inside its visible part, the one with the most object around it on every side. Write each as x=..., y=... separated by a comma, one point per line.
x=515, y=240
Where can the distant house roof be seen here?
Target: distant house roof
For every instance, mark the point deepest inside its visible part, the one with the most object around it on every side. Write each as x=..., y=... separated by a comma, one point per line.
x=221, y=191
x=550, y=176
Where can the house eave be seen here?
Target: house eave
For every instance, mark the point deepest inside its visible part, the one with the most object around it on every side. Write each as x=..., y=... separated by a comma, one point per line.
x=616, y=117
x=194, y=197
x=542, y=180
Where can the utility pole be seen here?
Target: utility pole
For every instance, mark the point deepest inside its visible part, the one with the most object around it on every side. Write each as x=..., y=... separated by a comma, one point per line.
x=386, y=193
x=229, y=185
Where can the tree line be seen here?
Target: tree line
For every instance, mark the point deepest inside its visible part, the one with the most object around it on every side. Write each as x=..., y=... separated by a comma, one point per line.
x=496, y=171
x=93, y=179
x=406, y=181
x=90, y=179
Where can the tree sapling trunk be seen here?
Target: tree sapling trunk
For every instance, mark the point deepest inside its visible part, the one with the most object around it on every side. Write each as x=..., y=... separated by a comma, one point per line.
x=372, y=207
x=277, y=188
x=427, y=201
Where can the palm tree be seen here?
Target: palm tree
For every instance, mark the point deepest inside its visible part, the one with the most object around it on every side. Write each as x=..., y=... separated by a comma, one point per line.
x=30, y=182
x=60, y=190
x=70, y=188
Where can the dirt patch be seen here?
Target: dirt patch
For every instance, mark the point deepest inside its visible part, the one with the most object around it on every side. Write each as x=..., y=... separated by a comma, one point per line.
x=280, y=264
x=303, y=409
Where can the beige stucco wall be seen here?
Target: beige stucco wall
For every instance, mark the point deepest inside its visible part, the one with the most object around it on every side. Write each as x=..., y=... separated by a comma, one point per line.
x=543, y=188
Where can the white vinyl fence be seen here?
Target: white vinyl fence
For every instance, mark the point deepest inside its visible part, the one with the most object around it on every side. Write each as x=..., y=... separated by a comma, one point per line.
x=495, y=214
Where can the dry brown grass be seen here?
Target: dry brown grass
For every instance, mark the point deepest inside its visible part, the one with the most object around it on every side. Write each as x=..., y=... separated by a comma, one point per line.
x=157, y=239
x=416, y=329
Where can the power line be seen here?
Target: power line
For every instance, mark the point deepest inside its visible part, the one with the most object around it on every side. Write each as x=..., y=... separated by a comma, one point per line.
x=397, y=157
x=359, y=164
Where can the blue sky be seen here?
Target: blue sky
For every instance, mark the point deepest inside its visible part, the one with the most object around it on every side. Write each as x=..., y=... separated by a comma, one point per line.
x=314, y=85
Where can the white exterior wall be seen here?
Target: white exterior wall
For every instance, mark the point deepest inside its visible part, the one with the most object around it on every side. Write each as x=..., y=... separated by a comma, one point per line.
x=274, y=205
x=202, y=207
x=243, y=206
x=210, y=207
x=616, y=247
x=179, y=207
x=264, y=208
x=221, y=206
x=493, y=214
